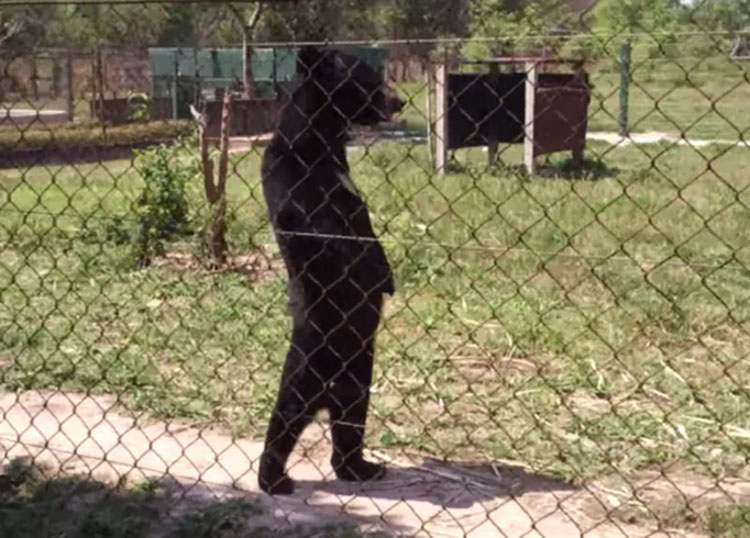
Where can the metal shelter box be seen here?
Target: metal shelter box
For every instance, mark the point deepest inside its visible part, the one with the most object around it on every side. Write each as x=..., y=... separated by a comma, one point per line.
x=547, y=112
x=479, y=107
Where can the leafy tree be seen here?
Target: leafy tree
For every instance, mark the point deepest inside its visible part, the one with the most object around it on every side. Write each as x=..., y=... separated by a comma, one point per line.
x=248, y=22
x=718, y=15
x=636, y=16
x=22, y=29
x=716, y=23
x=10, y=26
x=654, y=21
x=518, y=26
x=409, y=19
x=313, y=20
x=83, y=27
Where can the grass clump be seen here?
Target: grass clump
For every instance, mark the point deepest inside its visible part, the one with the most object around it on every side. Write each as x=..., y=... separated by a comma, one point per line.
x=729, y=523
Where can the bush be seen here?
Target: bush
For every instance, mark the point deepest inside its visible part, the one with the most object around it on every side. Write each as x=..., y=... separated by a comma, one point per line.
x=163, y=207
x=139, y=106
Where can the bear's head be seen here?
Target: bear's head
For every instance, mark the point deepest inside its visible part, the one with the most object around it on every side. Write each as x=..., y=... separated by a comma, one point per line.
x=349, y=85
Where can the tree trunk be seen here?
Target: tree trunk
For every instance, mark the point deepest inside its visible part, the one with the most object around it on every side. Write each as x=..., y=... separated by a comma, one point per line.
x=247, y=46
x=248, y=35
x=217, y=238
x=214, y=240
x=3, y=78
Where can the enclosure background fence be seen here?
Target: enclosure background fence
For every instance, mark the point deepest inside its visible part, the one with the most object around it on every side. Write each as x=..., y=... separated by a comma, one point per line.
x=565, y=353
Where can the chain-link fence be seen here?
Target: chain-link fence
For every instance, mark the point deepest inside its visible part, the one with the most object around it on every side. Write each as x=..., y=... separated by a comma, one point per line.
x=531, y=216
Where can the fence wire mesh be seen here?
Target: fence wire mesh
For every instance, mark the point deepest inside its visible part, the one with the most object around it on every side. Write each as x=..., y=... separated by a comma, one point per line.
x=533, y=215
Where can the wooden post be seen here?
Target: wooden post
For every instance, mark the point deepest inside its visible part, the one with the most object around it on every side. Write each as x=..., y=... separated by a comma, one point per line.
x=529, y=153
x=580, y=147
x=34, y=79
x=430, y=129
x=441, y=117
x=100, y=87
x=56, y=89
x=69, y=86
x=492, y=137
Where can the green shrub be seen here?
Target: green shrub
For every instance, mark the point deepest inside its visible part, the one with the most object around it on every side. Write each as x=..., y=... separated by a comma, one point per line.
x=139, y=106
x=163, y=207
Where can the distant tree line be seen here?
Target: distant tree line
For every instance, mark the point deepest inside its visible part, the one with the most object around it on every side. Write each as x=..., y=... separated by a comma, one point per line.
x=138, y=25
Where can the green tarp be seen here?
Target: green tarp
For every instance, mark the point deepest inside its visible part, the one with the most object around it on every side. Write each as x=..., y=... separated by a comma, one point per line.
x=223, y=64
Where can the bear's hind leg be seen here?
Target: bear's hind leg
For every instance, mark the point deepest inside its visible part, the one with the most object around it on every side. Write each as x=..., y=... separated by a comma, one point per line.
x=289, y=419
x=300, y=398
x=348, y=402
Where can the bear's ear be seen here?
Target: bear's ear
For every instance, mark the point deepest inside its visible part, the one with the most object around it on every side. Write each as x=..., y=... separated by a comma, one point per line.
x=308, y=59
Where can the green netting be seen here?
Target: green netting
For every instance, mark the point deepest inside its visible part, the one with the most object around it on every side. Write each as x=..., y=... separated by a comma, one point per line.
x=226, y=66
x=204, y=63
x=187, y=72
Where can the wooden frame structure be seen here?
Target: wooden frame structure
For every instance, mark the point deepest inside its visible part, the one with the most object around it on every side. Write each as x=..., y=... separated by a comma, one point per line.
x=547, y=112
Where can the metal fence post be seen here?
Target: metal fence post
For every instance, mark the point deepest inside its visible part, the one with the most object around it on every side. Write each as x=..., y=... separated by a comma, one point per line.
x=69, y=90
x=625, y=56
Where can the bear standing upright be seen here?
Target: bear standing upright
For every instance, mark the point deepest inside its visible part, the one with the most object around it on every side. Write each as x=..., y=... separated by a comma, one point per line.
x=337, y=269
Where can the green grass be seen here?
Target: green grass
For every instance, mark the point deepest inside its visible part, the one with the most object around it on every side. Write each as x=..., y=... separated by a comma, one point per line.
x=729, y=523
x=698, y=105
x=581, y=326
x=36, y=502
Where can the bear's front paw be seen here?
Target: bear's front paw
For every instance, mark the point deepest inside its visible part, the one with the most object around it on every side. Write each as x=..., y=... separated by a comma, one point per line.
x=271, y=477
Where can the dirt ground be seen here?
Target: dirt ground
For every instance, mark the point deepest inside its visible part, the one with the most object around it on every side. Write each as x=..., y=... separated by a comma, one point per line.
x=92, y=435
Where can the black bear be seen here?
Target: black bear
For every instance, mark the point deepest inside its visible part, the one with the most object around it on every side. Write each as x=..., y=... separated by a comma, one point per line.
x=337, y=269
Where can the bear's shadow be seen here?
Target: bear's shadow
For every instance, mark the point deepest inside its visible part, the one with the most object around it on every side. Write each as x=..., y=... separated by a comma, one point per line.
x=450, y=485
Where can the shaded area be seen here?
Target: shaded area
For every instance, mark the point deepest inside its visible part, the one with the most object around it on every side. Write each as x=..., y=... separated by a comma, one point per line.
x=34, y=502
x=454, y=486
x=590, y=169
